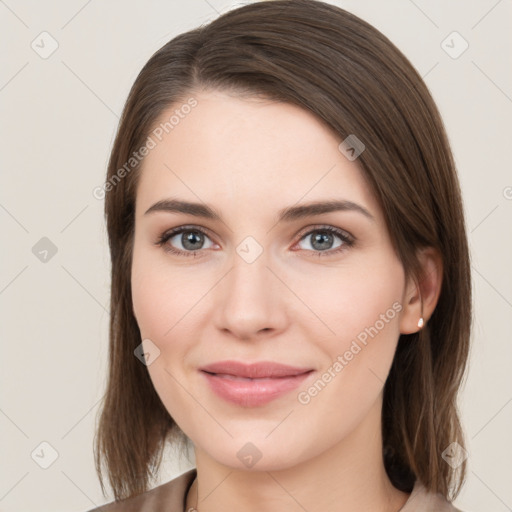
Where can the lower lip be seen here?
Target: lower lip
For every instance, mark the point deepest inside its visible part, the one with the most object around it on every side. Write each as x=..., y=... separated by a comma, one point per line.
x=252, y=393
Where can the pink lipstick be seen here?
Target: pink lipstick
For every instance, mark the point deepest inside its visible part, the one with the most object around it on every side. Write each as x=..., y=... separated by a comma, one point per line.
x=251, y=385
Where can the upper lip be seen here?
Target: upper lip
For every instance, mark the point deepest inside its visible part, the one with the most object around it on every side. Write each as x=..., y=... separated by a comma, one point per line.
x=259, y=370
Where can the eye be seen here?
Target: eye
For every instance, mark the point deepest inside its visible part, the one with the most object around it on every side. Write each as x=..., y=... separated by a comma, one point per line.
x=188, y=240
x=322, y=240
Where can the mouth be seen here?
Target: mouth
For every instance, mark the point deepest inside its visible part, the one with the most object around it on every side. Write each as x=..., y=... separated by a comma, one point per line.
x=253, y=385
x=259, y=370
x=238, y=377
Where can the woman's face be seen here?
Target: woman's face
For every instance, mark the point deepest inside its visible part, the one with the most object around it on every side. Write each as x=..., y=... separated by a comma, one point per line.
x=263, y=282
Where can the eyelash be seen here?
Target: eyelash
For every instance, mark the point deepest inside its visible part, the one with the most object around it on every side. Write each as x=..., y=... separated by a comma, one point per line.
x=348, y=240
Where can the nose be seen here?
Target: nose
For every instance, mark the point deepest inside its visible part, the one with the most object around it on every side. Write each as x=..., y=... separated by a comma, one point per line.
x=251, y=300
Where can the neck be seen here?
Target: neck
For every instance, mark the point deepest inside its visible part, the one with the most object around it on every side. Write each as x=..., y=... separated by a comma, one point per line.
x=349, y=477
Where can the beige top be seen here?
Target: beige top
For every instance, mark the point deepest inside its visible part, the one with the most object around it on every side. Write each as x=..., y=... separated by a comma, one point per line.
x=171, y=496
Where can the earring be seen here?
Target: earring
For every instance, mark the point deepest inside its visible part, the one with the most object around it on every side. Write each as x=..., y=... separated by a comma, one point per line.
x=420, y=322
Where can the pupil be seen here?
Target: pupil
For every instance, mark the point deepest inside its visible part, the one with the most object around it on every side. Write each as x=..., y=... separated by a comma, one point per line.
x=322, y=239
x=189, y=239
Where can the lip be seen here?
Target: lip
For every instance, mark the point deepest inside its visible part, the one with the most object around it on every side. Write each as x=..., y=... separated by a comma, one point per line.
x=251, y=385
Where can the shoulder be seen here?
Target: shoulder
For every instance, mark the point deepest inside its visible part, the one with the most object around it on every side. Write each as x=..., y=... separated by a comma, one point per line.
x=168, y=497
x=421, y=500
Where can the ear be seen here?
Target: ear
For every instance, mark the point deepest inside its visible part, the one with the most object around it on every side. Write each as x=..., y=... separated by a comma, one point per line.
x=422, y=292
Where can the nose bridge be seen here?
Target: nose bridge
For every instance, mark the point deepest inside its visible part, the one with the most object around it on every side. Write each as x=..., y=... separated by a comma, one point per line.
x=249, y=299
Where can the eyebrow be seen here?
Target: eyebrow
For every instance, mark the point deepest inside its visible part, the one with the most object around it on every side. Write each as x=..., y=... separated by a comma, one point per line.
x=287, y=214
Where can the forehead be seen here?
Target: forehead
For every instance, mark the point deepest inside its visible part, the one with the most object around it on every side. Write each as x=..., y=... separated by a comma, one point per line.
x=247, y=153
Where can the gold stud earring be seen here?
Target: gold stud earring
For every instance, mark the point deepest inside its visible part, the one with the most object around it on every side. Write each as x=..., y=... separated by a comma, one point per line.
x=420, y=322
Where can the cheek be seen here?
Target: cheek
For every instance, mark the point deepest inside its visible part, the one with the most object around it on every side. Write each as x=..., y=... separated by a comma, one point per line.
x=148, y=301
x=350, y=301
x=158, y=295
x=159, y=308
x=365, y=317
x=371, y=313
x=362, y=305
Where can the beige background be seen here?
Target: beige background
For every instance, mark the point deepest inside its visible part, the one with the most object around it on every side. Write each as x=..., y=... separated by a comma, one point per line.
x=59, y=116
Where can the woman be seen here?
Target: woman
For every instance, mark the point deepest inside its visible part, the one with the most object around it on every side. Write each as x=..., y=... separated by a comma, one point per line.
x=290, y=278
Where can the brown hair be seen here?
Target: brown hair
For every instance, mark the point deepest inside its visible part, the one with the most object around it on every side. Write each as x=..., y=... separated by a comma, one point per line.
x=348, y=74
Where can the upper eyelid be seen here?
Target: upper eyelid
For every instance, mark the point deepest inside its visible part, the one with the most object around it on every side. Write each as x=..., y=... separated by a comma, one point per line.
x=318, y=227
x=180, y=229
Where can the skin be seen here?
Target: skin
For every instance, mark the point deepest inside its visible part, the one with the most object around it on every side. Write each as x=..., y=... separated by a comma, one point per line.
x=248, y=159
